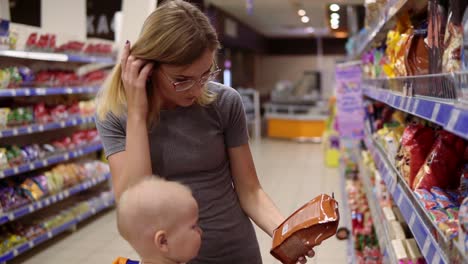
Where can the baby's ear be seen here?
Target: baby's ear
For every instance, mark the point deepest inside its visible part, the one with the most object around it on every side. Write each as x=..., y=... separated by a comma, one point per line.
x=160, y=241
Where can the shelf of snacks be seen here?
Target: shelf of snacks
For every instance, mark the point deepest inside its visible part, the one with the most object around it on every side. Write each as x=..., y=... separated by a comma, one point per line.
x=347, y=217
x=379, y=19
x=23, y=237
x=15, y=160
x=39, y=118
x=45, y=91
x=53, y=56
x=50, y=187
x=446, y=114
x=37, y=128
x=395, y=239
x=425, y=171
x=364, y=245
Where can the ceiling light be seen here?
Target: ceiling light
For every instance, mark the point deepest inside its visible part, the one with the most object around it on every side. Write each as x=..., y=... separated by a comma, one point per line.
x=335, y=26
x=335, y=16
x=305, y=19
x=301, y=12
x=334, y=7
x=334, y=21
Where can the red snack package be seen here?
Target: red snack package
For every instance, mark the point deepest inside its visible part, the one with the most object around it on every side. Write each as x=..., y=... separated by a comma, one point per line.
x=416, y=144
x=59, y=113
x=314, y=222
x=41, y=114
x=442, y=163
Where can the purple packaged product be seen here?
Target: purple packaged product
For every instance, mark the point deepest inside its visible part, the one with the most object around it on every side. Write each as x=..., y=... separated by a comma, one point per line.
x=26, y=74
x=41, y=181
x=446, y=204
x=423, y=194
x=440, y=194
x=454, y=195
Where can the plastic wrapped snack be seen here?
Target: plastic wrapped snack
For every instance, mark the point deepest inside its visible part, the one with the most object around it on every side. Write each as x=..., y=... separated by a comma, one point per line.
x=453, y=39
x=442, y=163
x=416, y=144
x=307, y=227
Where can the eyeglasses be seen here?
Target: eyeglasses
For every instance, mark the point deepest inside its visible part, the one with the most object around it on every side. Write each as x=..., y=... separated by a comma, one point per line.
x=188, y=84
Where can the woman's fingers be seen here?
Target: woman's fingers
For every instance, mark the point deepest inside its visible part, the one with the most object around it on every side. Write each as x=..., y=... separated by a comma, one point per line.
x=125, y=53
x=145, y=72
x=134, y=69
x=302, y=260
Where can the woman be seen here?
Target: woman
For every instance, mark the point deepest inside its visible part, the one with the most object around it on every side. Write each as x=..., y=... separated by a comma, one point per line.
x=161, y=114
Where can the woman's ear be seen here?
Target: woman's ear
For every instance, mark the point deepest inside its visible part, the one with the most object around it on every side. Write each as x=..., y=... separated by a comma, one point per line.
x=160, y=241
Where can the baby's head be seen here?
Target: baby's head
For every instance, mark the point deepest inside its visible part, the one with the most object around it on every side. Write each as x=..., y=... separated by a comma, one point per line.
x=159, y=219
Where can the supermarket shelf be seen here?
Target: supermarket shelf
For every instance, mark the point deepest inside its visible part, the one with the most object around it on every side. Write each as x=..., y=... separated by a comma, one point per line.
x=44, y=91
x=379, y=31
x=380, y=224
x=443, y=113
x=50, y=161
x=434, y=246
x=30, y=208
x=37, y=128
x=55, y=231
x=347, y=218
x=60, y=57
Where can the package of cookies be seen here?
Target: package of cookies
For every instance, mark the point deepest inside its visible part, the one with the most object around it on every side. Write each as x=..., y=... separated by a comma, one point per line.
x=307, y=227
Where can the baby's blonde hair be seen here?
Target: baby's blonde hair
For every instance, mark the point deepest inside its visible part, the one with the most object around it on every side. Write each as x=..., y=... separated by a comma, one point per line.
x=147, y=207
x=176, y=33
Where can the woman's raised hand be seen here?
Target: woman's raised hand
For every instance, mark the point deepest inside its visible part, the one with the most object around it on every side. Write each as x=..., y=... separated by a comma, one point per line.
x=135, y=72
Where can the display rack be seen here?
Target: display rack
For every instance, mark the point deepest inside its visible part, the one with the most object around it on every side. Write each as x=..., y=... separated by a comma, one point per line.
x=96, y=204
x=377, y=32
x=37, y=128
x=433, y=244
x=55, y=159
x=104, y=204
x=380, y=224
x=351, y=254
x=442, y=112
x=59, y=57
x=45, y=91
x=48, y=201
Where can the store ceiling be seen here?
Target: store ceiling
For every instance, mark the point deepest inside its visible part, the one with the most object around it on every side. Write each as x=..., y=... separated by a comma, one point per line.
x=279, y=18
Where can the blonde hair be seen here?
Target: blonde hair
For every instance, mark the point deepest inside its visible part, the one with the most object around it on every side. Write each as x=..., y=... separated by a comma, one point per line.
x=176, y=33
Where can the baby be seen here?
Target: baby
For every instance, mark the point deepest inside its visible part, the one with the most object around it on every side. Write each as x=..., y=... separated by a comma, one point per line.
x=159, y=219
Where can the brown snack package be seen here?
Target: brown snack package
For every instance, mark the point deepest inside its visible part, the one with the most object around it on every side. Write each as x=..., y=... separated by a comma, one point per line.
x=314, y=222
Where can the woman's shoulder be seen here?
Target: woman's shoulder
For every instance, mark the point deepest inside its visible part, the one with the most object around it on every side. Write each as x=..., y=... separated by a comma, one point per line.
x=224, y=93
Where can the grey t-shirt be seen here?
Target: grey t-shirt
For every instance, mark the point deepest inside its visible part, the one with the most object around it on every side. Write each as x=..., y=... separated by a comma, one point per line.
x=190, y=145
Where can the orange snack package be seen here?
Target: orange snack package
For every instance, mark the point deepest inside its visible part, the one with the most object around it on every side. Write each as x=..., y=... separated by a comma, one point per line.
x=314, y=222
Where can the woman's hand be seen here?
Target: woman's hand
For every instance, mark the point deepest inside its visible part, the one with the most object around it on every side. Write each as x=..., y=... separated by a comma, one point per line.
x=135, y=72
x=310, y=254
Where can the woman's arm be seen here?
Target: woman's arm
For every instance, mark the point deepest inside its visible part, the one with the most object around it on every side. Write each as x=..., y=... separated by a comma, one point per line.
x=253, y=199
x=130, y=166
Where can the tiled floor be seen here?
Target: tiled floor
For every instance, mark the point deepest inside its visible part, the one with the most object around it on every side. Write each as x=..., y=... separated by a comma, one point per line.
x=292, y=173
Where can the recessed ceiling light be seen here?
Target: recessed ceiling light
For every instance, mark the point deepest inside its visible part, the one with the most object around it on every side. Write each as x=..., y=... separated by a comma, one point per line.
x=305, y=19
x=335, y=26
x=301, y=12
x=335, y=16
x=334, y=7
x=334, y=21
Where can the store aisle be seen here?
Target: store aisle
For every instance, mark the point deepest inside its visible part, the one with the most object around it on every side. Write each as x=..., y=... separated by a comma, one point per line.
x=292, y=173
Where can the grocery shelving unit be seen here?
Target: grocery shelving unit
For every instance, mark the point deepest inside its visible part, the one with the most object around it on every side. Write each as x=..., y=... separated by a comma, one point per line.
x=434, y=246
x=379, y=30
x=96, y=204
x=37, y=128
x=347, y=217
x=380, y=224
x=103, y=204
x=45, y=91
